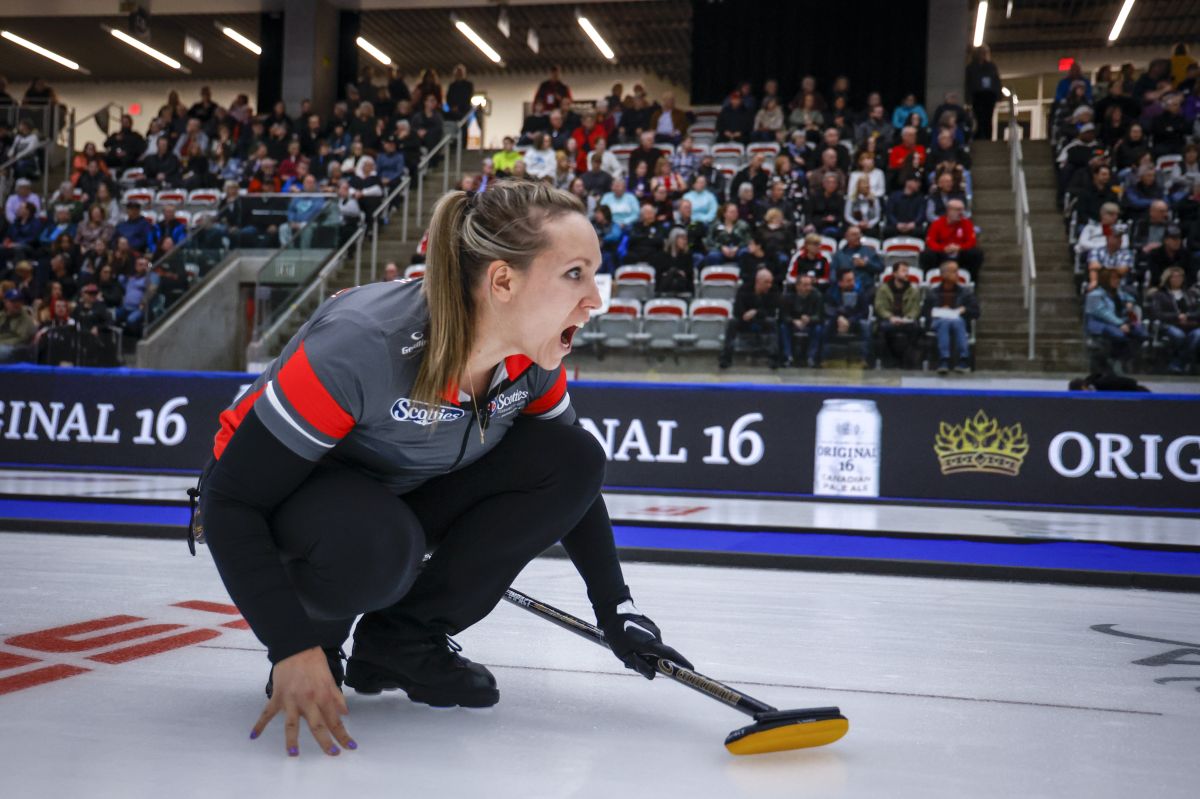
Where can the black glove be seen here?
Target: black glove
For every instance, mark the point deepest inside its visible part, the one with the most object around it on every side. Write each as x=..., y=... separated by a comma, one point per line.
x=629, y=634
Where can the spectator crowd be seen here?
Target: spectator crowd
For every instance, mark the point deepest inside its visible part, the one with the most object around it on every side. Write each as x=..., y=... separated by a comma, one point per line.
x=1126, y=147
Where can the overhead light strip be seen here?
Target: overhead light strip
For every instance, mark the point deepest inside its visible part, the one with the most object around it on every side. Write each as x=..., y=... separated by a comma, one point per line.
x=242, y=40
x=980, y=22
x=478, y=41
x=145, y=48
x=375, y=52
x=1120, y=23
x=37, y=48
x=596, y=38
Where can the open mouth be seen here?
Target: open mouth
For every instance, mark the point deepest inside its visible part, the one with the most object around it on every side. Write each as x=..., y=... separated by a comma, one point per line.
x=566, y=336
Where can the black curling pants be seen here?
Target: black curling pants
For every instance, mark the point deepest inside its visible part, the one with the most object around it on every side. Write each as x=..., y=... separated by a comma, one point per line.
x=351, y=546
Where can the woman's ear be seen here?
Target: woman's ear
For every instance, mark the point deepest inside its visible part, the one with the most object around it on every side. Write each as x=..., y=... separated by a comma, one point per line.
x=500, y=281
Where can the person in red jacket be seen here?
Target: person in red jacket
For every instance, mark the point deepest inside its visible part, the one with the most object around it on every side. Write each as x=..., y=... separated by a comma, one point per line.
x=952, y=237
x=898, y=155
x=585, y=137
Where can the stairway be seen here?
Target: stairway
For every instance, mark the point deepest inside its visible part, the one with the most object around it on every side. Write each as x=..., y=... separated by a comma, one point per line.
x=390, y=246
x=1003, y=329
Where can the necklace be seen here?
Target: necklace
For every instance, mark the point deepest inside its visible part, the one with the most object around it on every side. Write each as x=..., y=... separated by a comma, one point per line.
x=478, y=419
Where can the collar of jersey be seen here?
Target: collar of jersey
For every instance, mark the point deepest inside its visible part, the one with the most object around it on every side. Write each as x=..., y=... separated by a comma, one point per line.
x=505, y=374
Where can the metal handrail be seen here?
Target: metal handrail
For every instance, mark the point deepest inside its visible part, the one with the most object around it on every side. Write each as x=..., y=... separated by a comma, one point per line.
x=1024, y=230
x=456, y=136
x=52, y=140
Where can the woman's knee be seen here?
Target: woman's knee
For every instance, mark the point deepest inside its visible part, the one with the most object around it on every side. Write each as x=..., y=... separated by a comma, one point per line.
x=569, y=456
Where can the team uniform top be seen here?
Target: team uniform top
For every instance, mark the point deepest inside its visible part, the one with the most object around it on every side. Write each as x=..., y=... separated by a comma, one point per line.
x=342, y=388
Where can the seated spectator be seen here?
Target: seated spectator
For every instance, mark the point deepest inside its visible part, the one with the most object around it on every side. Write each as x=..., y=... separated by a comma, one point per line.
x=163, y=168
x=1186, y=174
x=777, y=238
x=639, y=182
x=703, y=201
x=91, y=314
x=540, y=161
x=624, y=206
x=585, y=137
x=295, y=183
x=61, y=225
x=685, y=162
x=816, y=177
x=1177, y=309
x=61, y=275
x=123, y=148
x=695, y=230
x=806, y=118
x=898, y=309
x=367, y=187
x=848, y=313
x=564, y=174
x=170, y=226
x=753, y=258
x=862, y=208
x=664, y=209
x=876, y=127
x=301, y=211
x=571, y=120
x=23, y=281
x=768, y=122
x=93, y=260
x=908, y=146
x=427, y=122
x=88, y=182
x=909, y=106
x=646, y=153
x=755, y=313
x=777, y=199
x=266, y=180
x=537, y=122
x=64, y=197
x=668, y=123
x=1142, y=192
x=952, y=237
x=135, y=228
x=663, y=176
x=596, y=181
x=810, y=260
x=673, y=267
x=506, y=157
x=192, y=134
x=747, y=205
x=948, y=308
x=558, y=133
x=1100, y=190
x=22, y=194
x=727, y=238
x=111, y=291
x=803, y=314
x=826, y=208
x=873, y=174
x=22, y=237
x=754, y=174
x=17, y=329
x=23, y=151
x=610, y=235
x=735, y=122
x=487, y=175
x=123, y=256
x=647, y=237
x=1170, y=129
x=1095, y=232
x=1110, y=315
x=609, y=162
x=1171, y=255
x=858, y=258
x=904, y=212
x=943, y=191
x=1148, y=232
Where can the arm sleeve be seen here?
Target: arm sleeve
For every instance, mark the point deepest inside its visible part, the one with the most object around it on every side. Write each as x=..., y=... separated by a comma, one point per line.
x=549, y=398
x=593, y=551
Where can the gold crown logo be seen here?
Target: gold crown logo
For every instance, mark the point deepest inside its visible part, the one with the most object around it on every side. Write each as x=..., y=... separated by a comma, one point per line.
x=980, y=444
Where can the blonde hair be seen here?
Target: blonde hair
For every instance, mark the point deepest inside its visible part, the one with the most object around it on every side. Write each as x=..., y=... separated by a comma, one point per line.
x=467, y=233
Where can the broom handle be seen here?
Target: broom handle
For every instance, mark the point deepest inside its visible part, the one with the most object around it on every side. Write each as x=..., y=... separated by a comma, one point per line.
x=692, y=679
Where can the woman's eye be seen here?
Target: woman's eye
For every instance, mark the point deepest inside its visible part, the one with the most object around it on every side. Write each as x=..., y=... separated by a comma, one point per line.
x=575, y=273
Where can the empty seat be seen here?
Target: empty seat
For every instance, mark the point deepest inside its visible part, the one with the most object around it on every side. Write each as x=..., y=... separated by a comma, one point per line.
x=707, y=320
x=902, y=248
x=730, y=150
x=617, y=328
x=829, y=246
x=143, y=196
x=768, y=149
x=663, y=322
x=698, y=149
x=719, y=282
x=206, y=198
x=132, y=175
x=635, y=281
x=171, y=197
x=414, y=271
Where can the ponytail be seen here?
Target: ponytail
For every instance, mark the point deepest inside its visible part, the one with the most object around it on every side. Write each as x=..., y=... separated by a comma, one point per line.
x=467, y=233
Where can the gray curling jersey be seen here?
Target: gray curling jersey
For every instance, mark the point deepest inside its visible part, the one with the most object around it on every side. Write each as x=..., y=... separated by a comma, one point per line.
x=341, y=389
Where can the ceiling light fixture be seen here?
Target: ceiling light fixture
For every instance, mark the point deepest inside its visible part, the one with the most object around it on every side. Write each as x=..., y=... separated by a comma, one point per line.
x=1120, y=23
x=240, y=39
x=477, y=40
x=980, y=22
x=596, y=38
x=37, y=48
x=145, y=48
x=375, y=52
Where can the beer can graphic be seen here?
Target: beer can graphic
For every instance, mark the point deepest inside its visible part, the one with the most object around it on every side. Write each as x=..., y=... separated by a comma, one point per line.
x=849, y=432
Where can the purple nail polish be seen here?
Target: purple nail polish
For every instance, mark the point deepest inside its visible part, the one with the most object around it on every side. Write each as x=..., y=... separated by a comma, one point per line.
x=253, y=734
x=293, y=751
x=333, y=750
x=351, y=745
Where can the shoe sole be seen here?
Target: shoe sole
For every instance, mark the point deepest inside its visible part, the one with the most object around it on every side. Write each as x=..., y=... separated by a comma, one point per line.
x=371, y=682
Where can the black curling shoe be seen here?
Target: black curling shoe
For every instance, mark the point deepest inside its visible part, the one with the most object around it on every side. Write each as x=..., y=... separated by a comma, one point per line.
x=430, y=671
x=333, y=656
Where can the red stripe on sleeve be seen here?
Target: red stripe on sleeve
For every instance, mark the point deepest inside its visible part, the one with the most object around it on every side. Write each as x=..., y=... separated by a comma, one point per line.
x=551, y=398
x=304, y=391
x=230, y=419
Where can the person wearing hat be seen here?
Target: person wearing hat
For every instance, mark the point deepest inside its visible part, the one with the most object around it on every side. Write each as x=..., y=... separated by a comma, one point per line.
x=17, y=328
x=1114, y=256
x=24, y=194
x=136, y=229
x=1172, y=254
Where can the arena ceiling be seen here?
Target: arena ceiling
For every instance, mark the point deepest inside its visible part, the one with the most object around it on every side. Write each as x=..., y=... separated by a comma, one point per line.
x=650, y=36
x=1068, y=25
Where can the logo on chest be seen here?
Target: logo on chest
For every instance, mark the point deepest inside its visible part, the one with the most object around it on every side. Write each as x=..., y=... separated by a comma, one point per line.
x=505, y=404
x=405, y=410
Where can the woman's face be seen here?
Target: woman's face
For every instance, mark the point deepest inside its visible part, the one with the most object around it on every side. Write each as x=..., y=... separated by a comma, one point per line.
x=731, y=214
x=1175, y=282
x=1135, y=133
x=544, y=305
x=105, y=273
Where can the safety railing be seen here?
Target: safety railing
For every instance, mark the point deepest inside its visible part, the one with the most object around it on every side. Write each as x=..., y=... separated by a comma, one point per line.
x=57, y=125
x=455, y=139
x=1024, y=230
